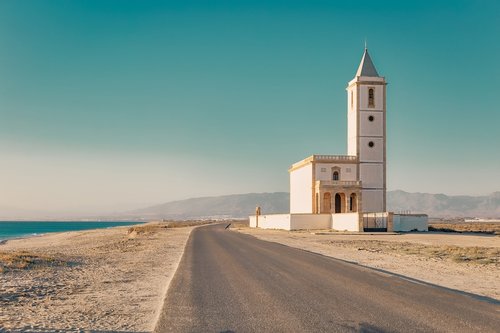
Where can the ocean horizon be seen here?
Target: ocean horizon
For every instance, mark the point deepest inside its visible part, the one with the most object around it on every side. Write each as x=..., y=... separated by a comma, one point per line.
x=23, y=229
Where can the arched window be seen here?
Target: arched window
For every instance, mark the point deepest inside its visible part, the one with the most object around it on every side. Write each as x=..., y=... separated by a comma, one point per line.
x=335, y=173
x=352, y=100
x=371, y=97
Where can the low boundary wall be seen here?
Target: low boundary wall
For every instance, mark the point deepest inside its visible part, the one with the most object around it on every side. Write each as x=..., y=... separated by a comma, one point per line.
x=347, y=221
x=410, y=222
x=291, y=221
x=274, y=221
x=341, y=222
x=310, y=221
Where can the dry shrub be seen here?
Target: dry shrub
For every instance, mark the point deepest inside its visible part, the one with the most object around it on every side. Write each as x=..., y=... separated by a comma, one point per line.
x=152, y=227
x=239, y=224
x=143, y=229
x=25, y=260
x=487, y=228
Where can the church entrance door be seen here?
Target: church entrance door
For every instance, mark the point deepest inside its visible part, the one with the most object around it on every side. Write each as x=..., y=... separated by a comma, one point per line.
x=338, y=203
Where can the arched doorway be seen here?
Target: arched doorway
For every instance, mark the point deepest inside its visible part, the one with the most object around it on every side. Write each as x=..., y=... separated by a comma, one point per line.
x=353, y=203
x=327, y=203
x=338, y=203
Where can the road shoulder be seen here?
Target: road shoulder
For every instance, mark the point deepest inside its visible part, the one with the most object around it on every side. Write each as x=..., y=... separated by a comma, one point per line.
x=445, y=260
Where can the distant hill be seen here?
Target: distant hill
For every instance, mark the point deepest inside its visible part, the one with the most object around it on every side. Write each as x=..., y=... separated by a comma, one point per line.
x=227, y=206
x=242, y=205
x=441, y=205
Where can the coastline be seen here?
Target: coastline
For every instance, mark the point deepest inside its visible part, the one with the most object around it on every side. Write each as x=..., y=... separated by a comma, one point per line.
x=5, y=240
x=6, y=237
x=108, y=279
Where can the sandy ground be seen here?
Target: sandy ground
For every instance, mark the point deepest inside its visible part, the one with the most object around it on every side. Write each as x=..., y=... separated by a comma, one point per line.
x=463, y=262
x=103, y=280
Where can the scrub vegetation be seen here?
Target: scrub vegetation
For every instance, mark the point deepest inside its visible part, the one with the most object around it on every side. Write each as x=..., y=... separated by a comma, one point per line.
x=155, y=226
x=460, y=254
x=21, y=260
x=486, y=228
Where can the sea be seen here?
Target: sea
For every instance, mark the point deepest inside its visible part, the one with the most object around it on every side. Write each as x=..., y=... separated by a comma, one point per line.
x=22, y=229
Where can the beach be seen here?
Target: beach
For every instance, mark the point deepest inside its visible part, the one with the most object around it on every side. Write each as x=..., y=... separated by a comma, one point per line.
x=464, y=262
x=93, y=280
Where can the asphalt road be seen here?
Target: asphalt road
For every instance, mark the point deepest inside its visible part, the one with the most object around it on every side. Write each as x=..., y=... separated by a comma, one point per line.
x=230, y=282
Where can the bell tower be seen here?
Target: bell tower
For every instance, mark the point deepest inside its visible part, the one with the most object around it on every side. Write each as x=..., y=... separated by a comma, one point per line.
x=366, y=133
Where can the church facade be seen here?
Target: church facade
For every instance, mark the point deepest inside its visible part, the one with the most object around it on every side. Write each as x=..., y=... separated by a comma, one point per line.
x=347, y=192
x=356, y=181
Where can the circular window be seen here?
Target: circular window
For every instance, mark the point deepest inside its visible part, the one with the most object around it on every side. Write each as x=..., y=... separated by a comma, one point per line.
x=371, y=144
x=370, y=118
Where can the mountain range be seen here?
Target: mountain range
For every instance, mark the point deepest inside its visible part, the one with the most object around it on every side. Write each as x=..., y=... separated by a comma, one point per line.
x=441, y=205
x=227, y=206
x=242, y=205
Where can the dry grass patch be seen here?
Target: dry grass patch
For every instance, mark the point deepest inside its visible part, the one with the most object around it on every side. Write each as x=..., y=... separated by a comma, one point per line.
x=21, y=260
x=239, y=224
x=147, y=228
x=487, y=228
x=476, y=255
x=153, y=227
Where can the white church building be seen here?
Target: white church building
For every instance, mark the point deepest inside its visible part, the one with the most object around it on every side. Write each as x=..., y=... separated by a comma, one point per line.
x=347, y=192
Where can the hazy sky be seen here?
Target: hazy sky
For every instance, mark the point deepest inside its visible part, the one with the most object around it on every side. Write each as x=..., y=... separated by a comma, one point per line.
x=120, y=104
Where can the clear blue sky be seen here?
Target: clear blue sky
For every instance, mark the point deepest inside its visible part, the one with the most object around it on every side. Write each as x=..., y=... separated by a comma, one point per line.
x=111, y=104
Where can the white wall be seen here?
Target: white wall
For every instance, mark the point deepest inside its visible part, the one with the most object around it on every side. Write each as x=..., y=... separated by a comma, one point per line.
x=352, y=124
x=301, y=183
x=410, y=222
x=274, y=221
x=372, y=201
x=311, y=221
x=252, y=223
x=292, y=221
x=372, y=175
x=346, y=221
x=327, y=174
x=371, y=128
x=371, y=154
x=341, y=222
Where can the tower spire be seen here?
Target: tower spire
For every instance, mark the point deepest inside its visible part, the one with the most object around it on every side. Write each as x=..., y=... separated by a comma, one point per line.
x=366, y=67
